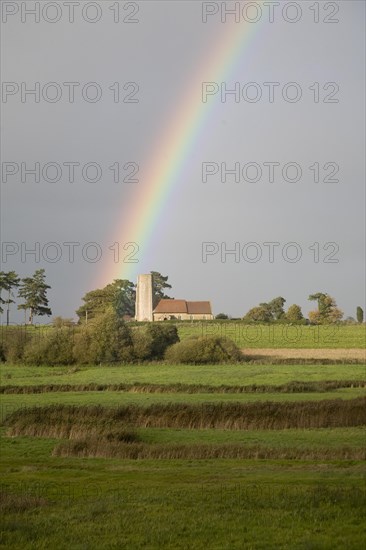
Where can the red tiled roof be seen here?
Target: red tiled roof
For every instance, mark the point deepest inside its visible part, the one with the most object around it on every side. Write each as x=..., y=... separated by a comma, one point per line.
x=199, y=307
x=181, y=306
x=171, y=306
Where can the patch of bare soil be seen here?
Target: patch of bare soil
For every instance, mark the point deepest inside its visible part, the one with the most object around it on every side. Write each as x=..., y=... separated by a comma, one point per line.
x=339, y=354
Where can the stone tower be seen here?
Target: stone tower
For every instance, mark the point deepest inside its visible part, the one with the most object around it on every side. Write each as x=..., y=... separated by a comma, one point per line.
x=144, y=298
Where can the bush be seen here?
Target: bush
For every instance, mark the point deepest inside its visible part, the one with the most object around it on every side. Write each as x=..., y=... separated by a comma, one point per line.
x=151, y=341
x=52, y=348
x=2, y=353
x=106, y=340
x=15, y=340
x=203, y=351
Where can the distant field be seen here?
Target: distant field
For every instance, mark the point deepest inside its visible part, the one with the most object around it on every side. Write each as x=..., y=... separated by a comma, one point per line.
x=280, y=336
x=215, y=375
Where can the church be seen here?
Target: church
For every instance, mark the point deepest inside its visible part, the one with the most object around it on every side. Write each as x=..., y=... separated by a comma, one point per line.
x=167, y=309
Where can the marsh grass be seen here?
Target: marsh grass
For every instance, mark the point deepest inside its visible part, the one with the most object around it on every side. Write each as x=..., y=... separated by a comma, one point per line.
x=97, y=448
x=16, y=503
x=290, y=387
x=74, y=422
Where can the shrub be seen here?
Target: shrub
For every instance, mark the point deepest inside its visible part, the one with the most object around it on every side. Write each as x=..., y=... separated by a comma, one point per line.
x=2, y=353
x=15, y=340
x=162, y=336
x=106, y=340
x=152, y=340
x=142, y=344
x=53, y=348
x=204, y=350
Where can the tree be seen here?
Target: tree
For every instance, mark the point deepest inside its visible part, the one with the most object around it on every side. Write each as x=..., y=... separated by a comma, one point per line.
x=258, y=314
x=120, y=295
x=222, y=316
x=359, y=314
x=8, y=281
x=34, y=291
x=159, y=284
x=294, y=313
x=124, y=298
x=275, y=307
x=2, y=287
x=327, y=311
x=108, y=339
x=320, y=298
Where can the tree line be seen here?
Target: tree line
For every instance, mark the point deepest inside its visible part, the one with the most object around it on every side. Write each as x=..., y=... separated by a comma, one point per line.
x=326, y=313
x=121, y=296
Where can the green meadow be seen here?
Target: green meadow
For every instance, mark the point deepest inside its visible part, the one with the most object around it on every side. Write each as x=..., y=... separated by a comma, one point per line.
x=160, y=373
x=279, y=335
x=92, y=477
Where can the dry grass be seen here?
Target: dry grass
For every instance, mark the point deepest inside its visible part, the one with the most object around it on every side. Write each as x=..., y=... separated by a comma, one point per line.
x=10, y=502
x=78, y=422
x=289, y=387
x=344, y=355
x=95, y=448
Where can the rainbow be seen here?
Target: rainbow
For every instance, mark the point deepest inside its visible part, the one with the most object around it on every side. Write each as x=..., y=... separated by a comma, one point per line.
x=179, y=138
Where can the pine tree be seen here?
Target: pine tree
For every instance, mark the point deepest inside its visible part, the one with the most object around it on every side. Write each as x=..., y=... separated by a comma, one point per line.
x=8, y=281
x=34, y=291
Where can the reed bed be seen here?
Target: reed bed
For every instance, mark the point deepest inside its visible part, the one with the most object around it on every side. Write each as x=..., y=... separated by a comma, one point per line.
x=290, y=387
x=76, y=422
x=95, y=448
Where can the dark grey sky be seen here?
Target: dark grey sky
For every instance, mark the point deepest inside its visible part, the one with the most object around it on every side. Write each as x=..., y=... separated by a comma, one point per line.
x=162, y=52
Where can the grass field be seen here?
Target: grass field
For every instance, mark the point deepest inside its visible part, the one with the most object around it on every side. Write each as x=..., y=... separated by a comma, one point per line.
x=97, y=503
x=307, y=494
x=214, y=375
x=280, y=336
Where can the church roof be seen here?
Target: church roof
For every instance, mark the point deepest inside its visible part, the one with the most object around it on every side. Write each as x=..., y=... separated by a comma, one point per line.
x=182, y=306
x=199, y=307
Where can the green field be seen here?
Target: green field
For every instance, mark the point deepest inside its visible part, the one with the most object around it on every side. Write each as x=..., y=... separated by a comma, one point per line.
x=66, y=501
x=279, y=335
x=95, y=503
x=215, y=375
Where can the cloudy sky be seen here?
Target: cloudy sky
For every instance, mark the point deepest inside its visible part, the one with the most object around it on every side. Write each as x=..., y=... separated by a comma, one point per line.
x=238, y=197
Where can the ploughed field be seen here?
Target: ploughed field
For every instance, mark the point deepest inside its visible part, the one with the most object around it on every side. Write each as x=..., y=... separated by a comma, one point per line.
x=237, y=456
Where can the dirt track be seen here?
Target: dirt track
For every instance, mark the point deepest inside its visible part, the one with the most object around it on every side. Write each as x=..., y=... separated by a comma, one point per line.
x=347, y=354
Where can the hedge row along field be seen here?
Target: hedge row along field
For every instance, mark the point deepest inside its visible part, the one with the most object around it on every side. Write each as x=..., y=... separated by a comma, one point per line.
x=245, y=336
